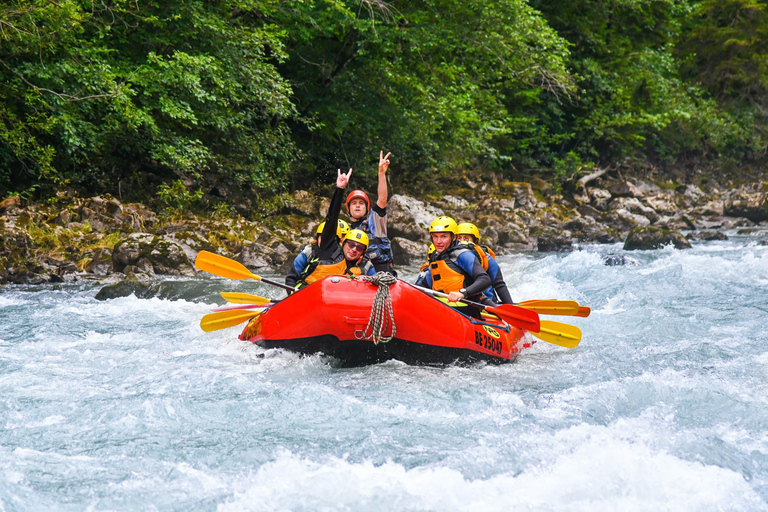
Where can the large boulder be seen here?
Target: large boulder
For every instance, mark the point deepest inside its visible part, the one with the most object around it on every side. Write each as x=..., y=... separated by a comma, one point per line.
x=748, y=204
x=647, y=238
x=166, y=257
x=409, y=218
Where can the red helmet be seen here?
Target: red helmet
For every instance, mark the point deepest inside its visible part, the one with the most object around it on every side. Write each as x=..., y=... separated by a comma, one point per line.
x=359, y=194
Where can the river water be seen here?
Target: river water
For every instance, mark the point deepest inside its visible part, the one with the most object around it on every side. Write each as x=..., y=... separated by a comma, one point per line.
x=126, y=405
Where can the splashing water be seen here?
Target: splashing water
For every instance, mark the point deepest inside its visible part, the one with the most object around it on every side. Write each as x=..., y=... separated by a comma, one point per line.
x=127, y=405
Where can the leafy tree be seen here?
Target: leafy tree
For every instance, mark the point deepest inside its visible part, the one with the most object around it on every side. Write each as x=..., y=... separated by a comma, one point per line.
x=633, y=100
x=122, y=93
x=443, y=83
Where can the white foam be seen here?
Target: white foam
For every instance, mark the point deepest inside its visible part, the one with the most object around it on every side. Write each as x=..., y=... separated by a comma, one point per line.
x=602, y=473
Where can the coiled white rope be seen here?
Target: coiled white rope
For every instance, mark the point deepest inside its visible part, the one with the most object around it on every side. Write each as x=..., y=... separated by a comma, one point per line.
x=382, y=316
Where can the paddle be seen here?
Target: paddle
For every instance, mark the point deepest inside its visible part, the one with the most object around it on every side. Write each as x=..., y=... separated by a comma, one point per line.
x=551, y=307
x=241, y=306
x=564, y=335
x=582, y=311
x=224, y=319
x=513, y=315
x=244, y=298
x=229, y=268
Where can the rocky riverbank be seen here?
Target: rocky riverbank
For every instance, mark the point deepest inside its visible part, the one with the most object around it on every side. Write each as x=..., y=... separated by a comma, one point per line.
x=102, y=239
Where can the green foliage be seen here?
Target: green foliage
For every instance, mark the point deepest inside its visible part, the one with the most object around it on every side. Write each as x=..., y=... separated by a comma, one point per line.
x=442, y=83
x=177, y=195
x=99, y=94
x=253, y=97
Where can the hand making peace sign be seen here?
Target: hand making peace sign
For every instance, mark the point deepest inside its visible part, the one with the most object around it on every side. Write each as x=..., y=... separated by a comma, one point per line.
x=383, y=161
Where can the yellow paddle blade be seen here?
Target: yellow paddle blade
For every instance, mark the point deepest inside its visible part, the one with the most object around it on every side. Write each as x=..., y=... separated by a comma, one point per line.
x=224, y=319
x=552, y=307
x=222, y=266
x=244, y=298
x=564, y=335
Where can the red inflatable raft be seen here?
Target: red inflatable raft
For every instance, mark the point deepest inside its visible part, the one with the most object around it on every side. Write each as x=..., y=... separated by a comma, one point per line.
x=331, y=315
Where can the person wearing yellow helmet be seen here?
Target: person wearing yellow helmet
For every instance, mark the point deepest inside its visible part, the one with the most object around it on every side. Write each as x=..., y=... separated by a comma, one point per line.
x=454, y=268
x=372, y=218
x=421, y=279
x=331, y=258
x=310, y=251
x=468, y=234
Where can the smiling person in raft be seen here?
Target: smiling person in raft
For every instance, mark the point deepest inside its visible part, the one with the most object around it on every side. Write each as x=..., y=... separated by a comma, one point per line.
x=372, y=219
x=454, y=268
x=332, y=259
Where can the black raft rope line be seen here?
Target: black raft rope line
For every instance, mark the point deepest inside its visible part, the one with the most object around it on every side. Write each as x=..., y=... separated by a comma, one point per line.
x=382, y=316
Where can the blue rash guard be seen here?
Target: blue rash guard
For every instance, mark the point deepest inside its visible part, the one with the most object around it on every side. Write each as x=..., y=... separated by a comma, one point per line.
x=493, y=271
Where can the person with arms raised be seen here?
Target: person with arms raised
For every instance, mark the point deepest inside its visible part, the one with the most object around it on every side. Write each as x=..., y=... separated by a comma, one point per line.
x=373, y=219
x=332, y=259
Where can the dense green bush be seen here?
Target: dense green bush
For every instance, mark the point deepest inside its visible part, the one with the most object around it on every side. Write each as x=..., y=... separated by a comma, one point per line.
x=248, y=98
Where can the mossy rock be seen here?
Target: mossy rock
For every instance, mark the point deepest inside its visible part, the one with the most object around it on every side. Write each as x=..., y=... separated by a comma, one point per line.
x=647, y=238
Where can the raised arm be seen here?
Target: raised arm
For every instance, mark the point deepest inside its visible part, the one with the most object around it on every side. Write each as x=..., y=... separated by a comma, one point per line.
x=382, y=191
x=332, y=217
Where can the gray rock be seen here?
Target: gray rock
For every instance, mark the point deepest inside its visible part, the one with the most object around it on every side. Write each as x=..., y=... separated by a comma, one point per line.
x=647, y=238
x=522, y=193
x=624, y=188
x=409, y=218
x=554, y=242
x=255, y=257
x=599, y=198
x=634, y=206
x=707, y=236
x=751, y=205
x=663, y=202
x=624, y=220
x=101, y=263
x=408, y=252
x=166, y=257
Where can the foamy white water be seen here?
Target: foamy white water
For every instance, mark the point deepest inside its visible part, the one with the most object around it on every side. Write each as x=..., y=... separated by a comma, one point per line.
x=126, y=405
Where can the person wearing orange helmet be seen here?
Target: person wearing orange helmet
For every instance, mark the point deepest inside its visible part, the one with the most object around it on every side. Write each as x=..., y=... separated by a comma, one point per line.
x=334, y=259
x=373, y=219
x=454, y=268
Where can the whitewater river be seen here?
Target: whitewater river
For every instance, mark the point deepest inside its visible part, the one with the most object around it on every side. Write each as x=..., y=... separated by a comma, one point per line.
x=126, y=405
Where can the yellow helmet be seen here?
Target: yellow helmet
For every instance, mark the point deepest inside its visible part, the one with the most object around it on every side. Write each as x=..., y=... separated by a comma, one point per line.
x=341, y=230
x=431, y=249
x=357, y=235
x=443, y=224
x=467, y=228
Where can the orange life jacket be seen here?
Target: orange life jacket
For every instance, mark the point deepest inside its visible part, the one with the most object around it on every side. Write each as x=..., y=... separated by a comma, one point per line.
x=480, y=254
x=316, y=269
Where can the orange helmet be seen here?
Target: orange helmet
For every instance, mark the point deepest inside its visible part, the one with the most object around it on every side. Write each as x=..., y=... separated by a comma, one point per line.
x=359, y=194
